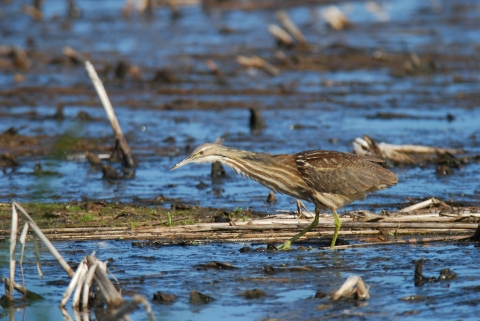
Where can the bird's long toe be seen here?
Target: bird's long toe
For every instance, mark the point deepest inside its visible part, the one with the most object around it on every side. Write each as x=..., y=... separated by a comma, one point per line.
x=285, y=246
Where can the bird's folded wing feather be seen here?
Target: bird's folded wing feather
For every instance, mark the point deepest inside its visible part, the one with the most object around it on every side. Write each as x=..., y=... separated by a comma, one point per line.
x=341, y=173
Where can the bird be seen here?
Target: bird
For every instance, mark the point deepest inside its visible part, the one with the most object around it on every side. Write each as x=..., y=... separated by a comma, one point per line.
x=328, y=179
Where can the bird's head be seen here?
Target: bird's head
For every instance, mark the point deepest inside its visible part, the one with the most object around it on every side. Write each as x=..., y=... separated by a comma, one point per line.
x=206, y=153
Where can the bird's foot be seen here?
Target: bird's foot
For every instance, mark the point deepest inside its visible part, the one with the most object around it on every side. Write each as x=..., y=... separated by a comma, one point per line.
x=285, y=246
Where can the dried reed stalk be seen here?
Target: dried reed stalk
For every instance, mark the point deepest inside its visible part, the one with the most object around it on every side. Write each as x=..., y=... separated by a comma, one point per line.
x=88, y=283
x=290, y=26
x=23, y=238
x=420, y=205
x=37, y=257
x=112, y=296
x=23, y=290
x=41, y=236
x=348, y=289
x=102, y=93
x=258, y=62
x=335, y=18
x=408, y=241
x=13, y=243
x=73, y=283
x=280, y=34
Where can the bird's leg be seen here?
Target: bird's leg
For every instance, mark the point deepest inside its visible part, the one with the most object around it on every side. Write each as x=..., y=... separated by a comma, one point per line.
x=286, y=245
x=338, y=223
x=301, y=206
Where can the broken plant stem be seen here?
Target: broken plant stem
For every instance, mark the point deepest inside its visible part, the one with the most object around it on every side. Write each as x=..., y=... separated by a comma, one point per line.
x=23, y=238
x=102, y=93
x=21, y=289
x=87, y=284
x=73, y=283
x=37, y=257
x=13, y=243
x=347, y=289
x=281, y=35
x=79, y=287
x=290, y=26
x=41, y=236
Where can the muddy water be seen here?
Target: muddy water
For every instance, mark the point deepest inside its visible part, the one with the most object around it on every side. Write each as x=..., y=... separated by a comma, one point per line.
x=323, y=98
x=289, y=292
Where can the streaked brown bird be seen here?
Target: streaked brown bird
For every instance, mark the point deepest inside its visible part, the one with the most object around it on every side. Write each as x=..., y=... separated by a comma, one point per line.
x=328, y=179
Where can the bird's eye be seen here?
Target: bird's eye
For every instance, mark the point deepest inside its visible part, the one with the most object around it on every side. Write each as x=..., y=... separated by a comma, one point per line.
x=201, y=152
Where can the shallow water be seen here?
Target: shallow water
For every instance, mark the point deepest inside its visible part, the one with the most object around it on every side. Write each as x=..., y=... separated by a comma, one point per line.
x=388, y=270
x=310, y=116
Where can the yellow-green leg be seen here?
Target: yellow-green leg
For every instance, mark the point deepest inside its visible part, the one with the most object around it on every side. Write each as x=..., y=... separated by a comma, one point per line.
x=286, y=245
x=338, y=223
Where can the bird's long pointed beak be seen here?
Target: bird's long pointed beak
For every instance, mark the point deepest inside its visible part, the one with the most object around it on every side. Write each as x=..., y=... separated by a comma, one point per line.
x=181, y=163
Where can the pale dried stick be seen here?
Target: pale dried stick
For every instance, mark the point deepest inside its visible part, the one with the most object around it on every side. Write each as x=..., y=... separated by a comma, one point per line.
x=23, y=238
x=13, y=243
x=37, y=257
x=87, y=284
x=79, y=287
x=290, y=26
x=280, y=34
x=102, y=94
x=73, y=283
x=347, y=288
x=43, y=238
x=420, y=205
x=335, y=18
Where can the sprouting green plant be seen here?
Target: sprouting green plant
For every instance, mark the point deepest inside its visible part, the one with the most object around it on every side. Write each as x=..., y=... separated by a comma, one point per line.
x=87, y=217
x=169, y=219
x=236, y=212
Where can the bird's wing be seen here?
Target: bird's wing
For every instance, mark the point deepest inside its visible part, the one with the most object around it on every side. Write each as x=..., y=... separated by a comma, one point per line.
x=342, y=173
